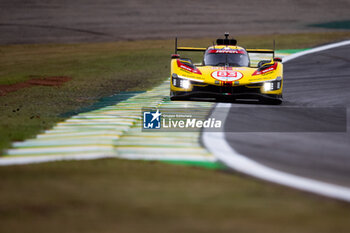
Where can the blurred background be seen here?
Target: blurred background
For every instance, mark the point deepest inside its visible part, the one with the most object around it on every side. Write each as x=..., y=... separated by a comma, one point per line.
x=35, y=21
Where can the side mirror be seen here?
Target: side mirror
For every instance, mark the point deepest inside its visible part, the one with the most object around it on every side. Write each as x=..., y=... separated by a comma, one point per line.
x=277, y=59
x=187, y=60
x=263, y=62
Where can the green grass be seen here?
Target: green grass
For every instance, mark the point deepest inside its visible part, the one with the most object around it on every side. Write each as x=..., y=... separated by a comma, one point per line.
x=98, y=70
x=127, y=196
x=344, y=24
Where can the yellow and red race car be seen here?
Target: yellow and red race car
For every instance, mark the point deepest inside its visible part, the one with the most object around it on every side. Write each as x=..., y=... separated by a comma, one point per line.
x=226, y=73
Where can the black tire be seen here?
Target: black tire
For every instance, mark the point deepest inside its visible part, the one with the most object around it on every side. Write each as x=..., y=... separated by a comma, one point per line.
x=178, y=97
x=271, y=101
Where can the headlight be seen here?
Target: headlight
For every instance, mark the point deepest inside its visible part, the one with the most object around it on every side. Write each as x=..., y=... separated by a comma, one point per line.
x=180, y=82
x=268, y=86
x=185, y=83
x=273, y=85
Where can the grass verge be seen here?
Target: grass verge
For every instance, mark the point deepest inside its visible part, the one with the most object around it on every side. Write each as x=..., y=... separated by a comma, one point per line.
x=127, y=196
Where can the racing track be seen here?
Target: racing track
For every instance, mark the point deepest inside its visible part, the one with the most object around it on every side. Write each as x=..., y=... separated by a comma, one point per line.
x=319, y=79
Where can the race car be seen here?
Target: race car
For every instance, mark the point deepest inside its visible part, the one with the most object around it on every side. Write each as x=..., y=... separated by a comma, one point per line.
x=226, y=73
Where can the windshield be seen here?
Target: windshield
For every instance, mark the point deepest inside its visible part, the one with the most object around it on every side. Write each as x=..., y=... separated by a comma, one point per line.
x=226, y=57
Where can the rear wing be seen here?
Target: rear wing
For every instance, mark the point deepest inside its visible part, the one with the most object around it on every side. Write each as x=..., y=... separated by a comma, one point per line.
x=258, y=55
x=268, y=51
x=190, y=49
x=193, y=49
x=264, y=50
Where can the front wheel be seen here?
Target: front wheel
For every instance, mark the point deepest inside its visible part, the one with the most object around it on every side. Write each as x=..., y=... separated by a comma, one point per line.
x=173, y=96
x=271, y=101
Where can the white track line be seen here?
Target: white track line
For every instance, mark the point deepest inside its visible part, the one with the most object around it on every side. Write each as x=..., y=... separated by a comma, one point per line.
x=218, y=146
x=315, y=50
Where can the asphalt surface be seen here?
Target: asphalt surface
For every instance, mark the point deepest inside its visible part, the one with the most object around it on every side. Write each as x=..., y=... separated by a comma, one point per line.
x=63, y=21
x=315, y=81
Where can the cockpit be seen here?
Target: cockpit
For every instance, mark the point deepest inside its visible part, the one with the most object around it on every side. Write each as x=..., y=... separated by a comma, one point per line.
x=226, y=57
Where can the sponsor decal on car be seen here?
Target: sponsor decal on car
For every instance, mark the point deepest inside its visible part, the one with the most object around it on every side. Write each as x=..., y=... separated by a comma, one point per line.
x=266, y=70
x=221, y=68
x=227, y=75
x=227, y=68
x=188, y=67
x=230, y=51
